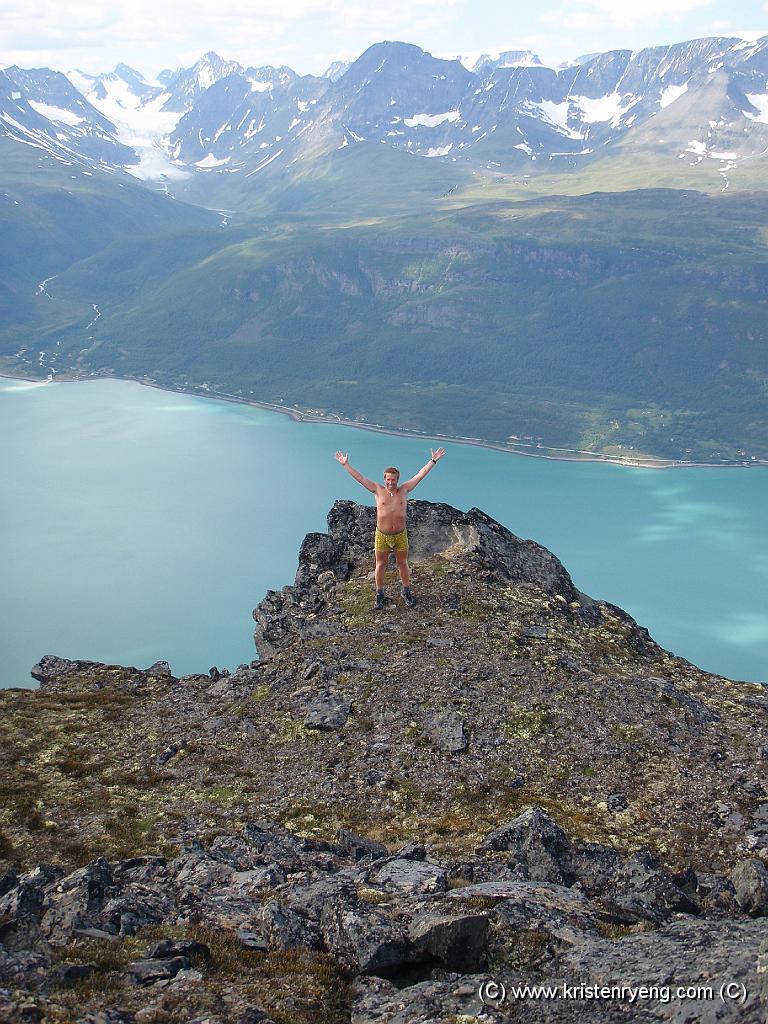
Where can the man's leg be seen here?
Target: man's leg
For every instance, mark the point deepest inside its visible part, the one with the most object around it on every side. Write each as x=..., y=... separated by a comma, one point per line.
x=382, y=557
x=402, y=566
x=405, y=577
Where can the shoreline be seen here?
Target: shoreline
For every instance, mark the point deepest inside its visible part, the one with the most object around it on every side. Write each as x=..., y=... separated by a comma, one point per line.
x=541, y=452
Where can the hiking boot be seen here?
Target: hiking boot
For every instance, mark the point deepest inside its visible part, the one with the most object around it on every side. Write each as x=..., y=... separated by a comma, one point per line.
x=380, y=599
x=408, y=597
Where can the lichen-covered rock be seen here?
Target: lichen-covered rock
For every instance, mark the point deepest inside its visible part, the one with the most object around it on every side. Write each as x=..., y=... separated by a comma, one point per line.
x=750, y=880
x=458, y=942
x=367, y=941
x=539, y=848
x=446, y=731
x=327, y=712
x=401, y=874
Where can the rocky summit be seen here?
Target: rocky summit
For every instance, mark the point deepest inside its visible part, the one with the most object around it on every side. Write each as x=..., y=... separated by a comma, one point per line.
x=507, y=803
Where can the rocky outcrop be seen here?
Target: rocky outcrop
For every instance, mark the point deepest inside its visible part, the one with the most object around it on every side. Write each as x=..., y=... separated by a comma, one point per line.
x=434, y=529
x=386, y=918
x=396, y=815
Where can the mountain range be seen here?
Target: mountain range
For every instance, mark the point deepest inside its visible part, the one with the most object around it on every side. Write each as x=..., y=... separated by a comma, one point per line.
x=571, y=254
x=703, y=103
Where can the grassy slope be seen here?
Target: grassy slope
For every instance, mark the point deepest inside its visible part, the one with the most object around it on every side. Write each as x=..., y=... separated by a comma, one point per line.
x=53, y=215
x=534, y=303
x=634, y=318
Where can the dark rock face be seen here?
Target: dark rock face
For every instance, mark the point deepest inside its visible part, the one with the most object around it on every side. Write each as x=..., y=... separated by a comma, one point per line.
x=432, y=528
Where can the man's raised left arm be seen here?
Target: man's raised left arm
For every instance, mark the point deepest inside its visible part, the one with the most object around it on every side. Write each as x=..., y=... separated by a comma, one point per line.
x=436, y=456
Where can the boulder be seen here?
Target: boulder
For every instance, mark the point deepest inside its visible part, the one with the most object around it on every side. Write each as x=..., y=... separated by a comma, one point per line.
x=359, y=847
x=327, y=712
x=401, y=874
x=539, y=847
x=445, y=731
x=367, y=941
x=750, y=880
x=147, y=972
x=459, y=943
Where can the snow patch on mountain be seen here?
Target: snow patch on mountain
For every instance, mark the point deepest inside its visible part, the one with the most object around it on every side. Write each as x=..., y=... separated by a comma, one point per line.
x=59, y=114
x=210, y=161
x=604, y=108
x=672, y=93
x=431, y=120
x=557, y=115
x=760, y=102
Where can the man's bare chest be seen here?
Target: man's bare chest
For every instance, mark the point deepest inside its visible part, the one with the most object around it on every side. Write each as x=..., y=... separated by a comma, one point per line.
x=387, y=502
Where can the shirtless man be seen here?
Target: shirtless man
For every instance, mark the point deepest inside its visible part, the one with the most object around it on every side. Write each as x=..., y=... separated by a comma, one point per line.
x=391, y=534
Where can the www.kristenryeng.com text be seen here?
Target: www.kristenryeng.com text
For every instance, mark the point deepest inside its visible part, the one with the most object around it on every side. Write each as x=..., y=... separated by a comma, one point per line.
x=495, y=993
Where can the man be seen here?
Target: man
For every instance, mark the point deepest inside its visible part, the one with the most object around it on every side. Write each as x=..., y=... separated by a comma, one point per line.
x=391, y=534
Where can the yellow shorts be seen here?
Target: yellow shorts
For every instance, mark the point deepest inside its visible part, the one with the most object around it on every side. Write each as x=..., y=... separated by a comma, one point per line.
x=391, y=541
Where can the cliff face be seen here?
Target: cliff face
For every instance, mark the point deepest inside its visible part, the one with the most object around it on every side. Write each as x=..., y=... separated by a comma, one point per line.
x=511, y=778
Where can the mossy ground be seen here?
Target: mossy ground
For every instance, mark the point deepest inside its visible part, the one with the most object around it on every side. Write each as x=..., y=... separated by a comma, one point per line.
x=293, y=986
x=563, y=720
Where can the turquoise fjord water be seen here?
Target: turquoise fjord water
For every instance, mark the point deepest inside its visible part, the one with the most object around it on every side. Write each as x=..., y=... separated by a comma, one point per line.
x=138, y=525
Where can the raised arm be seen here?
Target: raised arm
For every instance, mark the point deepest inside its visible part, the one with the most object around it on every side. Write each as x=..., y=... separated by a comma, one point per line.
x=415, y=480
x=343, y=458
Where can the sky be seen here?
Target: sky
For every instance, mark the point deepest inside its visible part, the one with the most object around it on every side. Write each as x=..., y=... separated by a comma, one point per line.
x=307, y=35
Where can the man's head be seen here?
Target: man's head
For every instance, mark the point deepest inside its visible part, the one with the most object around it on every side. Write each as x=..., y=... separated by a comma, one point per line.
x=391, y=476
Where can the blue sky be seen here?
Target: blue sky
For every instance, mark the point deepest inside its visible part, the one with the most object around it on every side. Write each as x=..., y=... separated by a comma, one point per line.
x=307, y=35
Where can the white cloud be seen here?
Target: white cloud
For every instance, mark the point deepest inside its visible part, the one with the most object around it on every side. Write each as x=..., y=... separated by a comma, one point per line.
x=596, y=15
x=95, y=35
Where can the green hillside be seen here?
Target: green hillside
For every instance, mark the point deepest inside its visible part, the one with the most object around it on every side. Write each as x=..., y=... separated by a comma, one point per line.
x=52, y=215
x=637, y=318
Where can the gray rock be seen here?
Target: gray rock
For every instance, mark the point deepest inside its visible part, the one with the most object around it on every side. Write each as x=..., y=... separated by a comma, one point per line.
x=686, y=952
x=160, y=668
x=77, y=902
x=147, y=972
x=327, y=712
x=51, y=667
x=750, y=880
x=643, y=888
x=534, y=633
x=446, y=732
x=288, y=929
x=539, y=847
x=440, y=642
x=22, y=968
x=108, y=1016
x=594, y=866
x=404, y=875
x=459, y=943
x=170, y=752
x=561, y=914
x=167, y=949
x=359, y=847
x=71, y=974
x=366, y=941
x=377, y=1001
x=253, y=940
x=8, y=880
x=18, y=1010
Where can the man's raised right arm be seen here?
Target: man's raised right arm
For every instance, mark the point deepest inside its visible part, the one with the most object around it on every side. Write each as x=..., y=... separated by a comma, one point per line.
x=343, y=458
